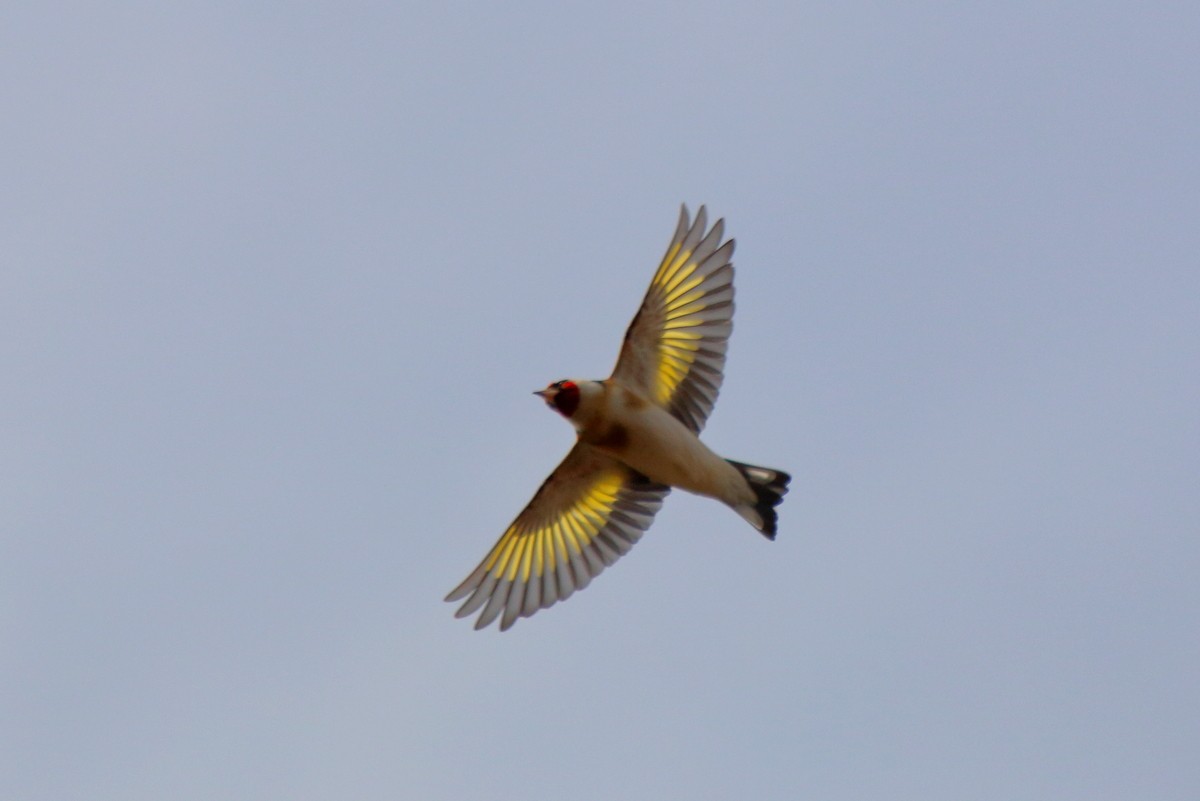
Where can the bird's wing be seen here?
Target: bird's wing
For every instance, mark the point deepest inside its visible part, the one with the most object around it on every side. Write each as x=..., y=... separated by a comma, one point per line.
x=588, y=513
x=674, y=350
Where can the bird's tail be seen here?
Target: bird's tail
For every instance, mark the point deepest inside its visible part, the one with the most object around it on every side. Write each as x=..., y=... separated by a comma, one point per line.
x=769, y=488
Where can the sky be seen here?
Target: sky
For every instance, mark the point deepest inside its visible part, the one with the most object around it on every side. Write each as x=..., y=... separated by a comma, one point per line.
x=278, y=280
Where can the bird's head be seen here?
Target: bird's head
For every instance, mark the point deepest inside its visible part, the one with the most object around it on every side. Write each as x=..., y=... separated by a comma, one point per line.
x=562, y=396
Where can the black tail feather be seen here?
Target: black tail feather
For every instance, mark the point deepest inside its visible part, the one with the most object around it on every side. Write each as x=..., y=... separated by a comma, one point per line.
x=769, y=488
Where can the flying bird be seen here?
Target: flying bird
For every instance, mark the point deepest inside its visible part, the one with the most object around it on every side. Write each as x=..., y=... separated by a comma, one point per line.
x=637, y=437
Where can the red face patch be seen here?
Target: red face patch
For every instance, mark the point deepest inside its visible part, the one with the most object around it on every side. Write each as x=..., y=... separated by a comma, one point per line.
x=566, y=399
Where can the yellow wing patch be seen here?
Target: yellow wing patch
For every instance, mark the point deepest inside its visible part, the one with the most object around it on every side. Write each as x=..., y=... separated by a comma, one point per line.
x=681, y=302
x=674, y=350
x=587, y=514
x=525, y=550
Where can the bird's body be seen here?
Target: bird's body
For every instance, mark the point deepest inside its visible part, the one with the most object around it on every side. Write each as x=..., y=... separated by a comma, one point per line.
x=637, y=437
x=620, y=422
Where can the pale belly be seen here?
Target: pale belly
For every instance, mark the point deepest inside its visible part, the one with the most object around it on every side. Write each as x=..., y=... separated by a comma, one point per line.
x=665, y=451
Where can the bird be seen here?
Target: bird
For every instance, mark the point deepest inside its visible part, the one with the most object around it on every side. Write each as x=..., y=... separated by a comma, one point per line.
x=637, y=437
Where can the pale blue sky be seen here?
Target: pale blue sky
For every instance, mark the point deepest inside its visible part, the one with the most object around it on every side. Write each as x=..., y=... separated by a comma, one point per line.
x=278, y=282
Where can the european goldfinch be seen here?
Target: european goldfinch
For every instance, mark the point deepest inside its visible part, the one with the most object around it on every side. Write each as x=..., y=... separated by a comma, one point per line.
x=637, y=437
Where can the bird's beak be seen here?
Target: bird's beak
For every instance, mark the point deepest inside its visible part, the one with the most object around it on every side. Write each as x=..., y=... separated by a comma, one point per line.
x=545, y=394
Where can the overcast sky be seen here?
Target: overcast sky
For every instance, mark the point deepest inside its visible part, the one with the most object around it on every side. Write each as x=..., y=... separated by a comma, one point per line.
x=277, y=282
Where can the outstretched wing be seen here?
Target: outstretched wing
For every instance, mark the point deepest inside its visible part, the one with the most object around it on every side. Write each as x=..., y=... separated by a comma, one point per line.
x=674, y=350
x=587, y=514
